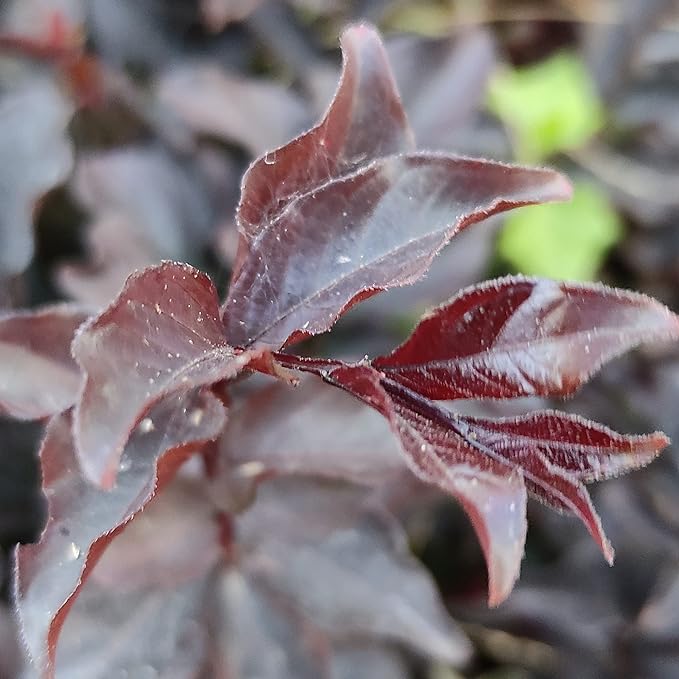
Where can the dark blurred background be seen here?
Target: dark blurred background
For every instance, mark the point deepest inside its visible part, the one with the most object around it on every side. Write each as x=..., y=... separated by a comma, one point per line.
x=125, y=126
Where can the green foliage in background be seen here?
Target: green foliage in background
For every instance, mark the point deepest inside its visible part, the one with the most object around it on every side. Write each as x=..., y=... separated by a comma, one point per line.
x=562, y=240
x=549, y=106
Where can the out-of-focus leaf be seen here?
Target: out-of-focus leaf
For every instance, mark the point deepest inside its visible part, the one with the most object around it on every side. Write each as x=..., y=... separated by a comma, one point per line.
x=311, y=430
x=442, y=82
x=161, y=335
x=83, y=519
x=569, y=240
x=365, y=583
x=314, y=213
x=172, y=212
x=36, y=157
x=363, y=661
x=518, y=336
x=550, y=106
x=10, y=654
x=218, y=13
x=262, y=635
x=38, y=376
x=158, y=631
x=257, y=115
x=116, y=249
x=382, y=592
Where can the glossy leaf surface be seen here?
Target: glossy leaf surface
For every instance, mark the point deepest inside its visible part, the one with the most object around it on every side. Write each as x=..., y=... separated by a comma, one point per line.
x=488, y=464
x=38, y=376
x=161, y=335
x=346, y=210
x=83, y=519
x=520, y=336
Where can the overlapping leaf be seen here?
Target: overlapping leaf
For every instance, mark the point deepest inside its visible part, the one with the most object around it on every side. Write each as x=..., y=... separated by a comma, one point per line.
x=83, y=519
x=161, y=335
x=520, y=336
x=38, y=376
x=347, y=209
x=488, y=464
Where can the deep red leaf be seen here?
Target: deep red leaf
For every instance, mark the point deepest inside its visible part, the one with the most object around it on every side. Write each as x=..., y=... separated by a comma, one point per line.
x=345, y=210
x=490, y=490
x=364, y=122
x=586, y=450
x=485, y=463
x=38, y=376
x=84, y=519
x=520, y=336
x=161, y=335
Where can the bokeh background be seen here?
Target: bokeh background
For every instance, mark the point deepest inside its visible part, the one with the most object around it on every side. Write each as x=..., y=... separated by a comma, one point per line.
x=125, y=126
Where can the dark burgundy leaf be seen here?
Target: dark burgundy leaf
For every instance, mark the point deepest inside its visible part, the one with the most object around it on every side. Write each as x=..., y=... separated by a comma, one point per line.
x=519, y=336
x=486, y=463
x=161, y=335
x=586, y=450
x=332, y=217
x=364, y=122
x=38, y=376
x=84, y=519
x=311, y=430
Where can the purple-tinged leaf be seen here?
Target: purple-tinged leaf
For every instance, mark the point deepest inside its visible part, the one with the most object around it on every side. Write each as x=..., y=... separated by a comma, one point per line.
x=84, y=519
x=364, y=122
x=377, y=228
x=148, y=632
x=161, y=335
x=311, y=430
x=491, y=492
x=488, y=464
x=586, y=450
x=38, y=376
x=520, y=336
x=10, y=652
x=346, y=210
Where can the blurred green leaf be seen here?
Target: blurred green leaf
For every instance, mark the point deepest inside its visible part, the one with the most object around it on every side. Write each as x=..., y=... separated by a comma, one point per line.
x=549, y=106
x=562, y=240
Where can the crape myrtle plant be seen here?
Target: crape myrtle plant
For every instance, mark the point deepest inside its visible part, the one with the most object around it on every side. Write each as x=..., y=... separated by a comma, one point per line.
x=264, y=548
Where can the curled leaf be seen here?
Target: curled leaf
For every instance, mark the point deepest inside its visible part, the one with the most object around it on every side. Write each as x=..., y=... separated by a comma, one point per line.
x=161, y=335
x=347, y=209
